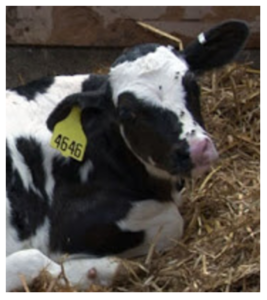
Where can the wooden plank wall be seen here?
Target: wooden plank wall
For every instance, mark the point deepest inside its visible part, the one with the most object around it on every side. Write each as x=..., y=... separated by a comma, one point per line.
x=115, y=26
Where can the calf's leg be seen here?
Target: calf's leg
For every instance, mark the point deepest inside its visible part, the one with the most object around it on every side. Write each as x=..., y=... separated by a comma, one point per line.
x=80, y=273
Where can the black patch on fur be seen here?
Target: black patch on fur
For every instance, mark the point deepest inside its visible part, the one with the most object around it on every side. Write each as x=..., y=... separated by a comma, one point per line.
x=135, y=53
x=94, y=82
x=66, y=172
x=88, y=216
x=30, y=90
x=154, y=132
x=28, y=210
x=193, y=97
x=8, y=166
x=31, y=151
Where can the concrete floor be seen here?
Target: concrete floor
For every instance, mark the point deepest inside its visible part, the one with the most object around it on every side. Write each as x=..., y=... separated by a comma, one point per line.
x=28, y=63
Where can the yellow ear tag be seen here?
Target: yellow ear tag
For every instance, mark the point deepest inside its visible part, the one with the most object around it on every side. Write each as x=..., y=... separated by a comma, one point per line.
x=68, y=136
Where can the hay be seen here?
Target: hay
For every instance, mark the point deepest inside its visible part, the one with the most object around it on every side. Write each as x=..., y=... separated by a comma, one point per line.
x=220, y=249
x=162, y=34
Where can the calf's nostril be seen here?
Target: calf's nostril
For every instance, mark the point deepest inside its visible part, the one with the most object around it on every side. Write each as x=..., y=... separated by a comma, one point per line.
x=205, y=145
x=203, y=151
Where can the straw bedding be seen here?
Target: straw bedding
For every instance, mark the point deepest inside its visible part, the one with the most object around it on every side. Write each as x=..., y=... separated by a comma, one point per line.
x=220, y=249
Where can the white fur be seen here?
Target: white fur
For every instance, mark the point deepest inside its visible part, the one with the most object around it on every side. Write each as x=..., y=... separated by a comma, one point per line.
x=28, y=118
x=29, y=263
x=161, y=222
x=146, y=74
x=201, y=38
x=40, y=240
x=86, y=168
x=22, y=168
x=48, y=168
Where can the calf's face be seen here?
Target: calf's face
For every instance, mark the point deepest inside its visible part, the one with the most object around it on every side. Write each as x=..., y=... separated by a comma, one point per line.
x=158, y=100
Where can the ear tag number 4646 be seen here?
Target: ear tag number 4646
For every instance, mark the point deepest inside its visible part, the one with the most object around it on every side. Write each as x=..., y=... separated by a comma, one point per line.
x=68, y=136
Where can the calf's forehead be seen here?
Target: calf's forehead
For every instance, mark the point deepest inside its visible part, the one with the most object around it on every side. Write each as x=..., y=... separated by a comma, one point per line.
x=155, y=77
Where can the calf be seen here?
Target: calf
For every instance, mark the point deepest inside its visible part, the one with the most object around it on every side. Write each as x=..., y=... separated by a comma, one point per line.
x=128, y=141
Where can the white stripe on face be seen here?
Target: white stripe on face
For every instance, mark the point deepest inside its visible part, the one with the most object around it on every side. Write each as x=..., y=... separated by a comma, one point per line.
x=155, y=77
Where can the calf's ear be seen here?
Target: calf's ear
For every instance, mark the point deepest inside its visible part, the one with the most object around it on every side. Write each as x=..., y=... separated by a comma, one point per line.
x=88, y=102
x=216, y=47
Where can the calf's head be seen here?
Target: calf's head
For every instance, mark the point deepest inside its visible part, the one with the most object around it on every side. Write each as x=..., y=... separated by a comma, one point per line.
x=157, y=99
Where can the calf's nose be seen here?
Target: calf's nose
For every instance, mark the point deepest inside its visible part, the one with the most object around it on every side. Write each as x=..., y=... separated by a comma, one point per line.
x=202, y=152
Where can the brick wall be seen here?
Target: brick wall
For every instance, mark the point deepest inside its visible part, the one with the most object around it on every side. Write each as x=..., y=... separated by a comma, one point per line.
x=110, y=26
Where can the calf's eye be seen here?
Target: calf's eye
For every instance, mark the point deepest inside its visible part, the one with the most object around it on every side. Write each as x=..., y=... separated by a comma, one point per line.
x=126, y=114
